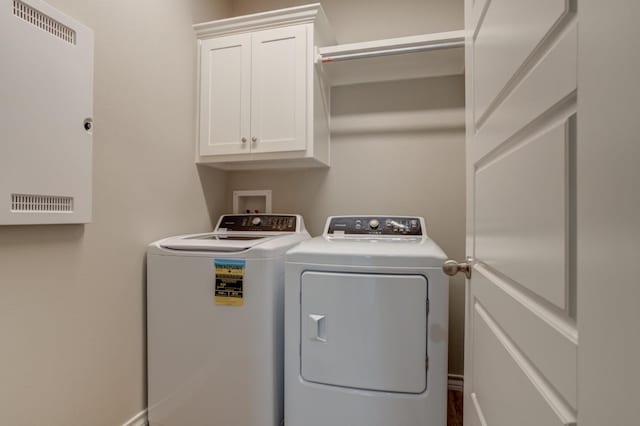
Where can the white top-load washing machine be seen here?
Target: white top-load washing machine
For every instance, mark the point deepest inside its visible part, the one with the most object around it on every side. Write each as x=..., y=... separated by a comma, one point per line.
x=366, y=324
x=215, y=323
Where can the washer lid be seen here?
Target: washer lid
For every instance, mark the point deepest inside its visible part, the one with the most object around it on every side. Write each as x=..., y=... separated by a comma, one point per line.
x=228, y=243
x=269, y=234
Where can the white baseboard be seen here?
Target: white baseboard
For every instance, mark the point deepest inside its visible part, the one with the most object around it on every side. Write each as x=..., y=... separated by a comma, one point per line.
x=139, y=419
x=456, y=382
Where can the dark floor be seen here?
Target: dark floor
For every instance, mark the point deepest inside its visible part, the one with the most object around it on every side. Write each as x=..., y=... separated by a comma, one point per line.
x=454, y=408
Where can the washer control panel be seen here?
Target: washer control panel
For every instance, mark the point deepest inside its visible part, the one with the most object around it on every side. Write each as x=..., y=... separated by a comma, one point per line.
x=258, y=223
x=375, y=225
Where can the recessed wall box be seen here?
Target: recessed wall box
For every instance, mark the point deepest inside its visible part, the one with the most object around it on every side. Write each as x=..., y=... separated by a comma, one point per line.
x=258, y=201
x=46, y=109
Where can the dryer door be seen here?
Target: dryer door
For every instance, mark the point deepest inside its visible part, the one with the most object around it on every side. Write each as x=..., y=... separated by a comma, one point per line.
x=364, y=331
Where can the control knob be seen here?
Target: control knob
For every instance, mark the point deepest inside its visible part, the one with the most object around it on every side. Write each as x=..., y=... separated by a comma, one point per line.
x=374, y=223
x=256, y=221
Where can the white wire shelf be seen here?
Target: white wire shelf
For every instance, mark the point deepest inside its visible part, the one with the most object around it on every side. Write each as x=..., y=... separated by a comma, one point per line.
x=422, y=56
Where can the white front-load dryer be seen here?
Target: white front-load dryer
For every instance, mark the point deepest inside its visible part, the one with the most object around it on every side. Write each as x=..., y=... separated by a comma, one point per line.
x=215, y=330
x=366, y=325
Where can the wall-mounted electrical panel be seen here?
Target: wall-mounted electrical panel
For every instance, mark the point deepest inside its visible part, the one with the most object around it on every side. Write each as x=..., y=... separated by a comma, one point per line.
x=46, y=109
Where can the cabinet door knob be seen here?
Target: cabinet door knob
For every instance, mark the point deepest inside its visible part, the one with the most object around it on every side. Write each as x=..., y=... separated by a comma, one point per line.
x=254, y=139
x=244, y=140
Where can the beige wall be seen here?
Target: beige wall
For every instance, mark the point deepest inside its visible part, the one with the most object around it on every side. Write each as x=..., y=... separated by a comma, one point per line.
x=363, y=20
x=412, y=168
x=397, y=148
x=72, y=297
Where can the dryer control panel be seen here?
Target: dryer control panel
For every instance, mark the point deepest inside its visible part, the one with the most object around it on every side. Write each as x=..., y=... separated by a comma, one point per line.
x=258, y=223
x=375, y=225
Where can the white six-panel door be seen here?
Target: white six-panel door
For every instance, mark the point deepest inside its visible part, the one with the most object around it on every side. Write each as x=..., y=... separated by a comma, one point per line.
x=521, y=339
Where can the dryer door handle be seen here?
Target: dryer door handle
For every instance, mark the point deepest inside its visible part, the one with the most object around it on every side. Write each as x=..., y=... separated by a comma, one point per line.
x=318, y=327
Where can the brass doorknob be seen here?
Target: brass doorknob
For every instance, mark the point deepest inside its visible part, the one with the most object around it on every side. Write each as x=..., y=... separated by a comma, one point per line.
x=452, y=267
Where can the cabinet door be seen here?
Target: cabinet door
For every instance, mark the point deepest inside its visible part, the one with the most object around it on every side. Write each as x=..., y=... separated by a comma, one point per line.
x=225, y=94
x=279, y=89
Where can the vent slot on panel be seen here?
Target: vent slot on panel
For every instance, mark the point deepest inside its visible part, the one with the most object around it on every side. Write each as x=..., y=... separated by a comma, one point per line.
x=26, y=203
x=42, y=21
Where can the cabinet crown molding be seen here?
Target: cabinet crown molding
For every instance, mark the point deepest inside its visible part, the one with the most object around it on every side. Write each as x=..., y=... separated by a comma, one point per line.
x=308, y=13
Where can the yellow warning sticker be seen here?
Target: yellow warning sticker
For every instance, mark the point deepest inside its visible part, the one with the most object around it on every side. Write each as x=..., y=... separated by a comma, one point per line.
x=229, y=282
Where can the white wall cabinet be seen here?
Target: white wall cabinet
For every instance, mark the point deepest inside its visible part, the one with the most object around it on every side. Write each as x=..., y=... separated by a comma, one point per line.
x=262, y=101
